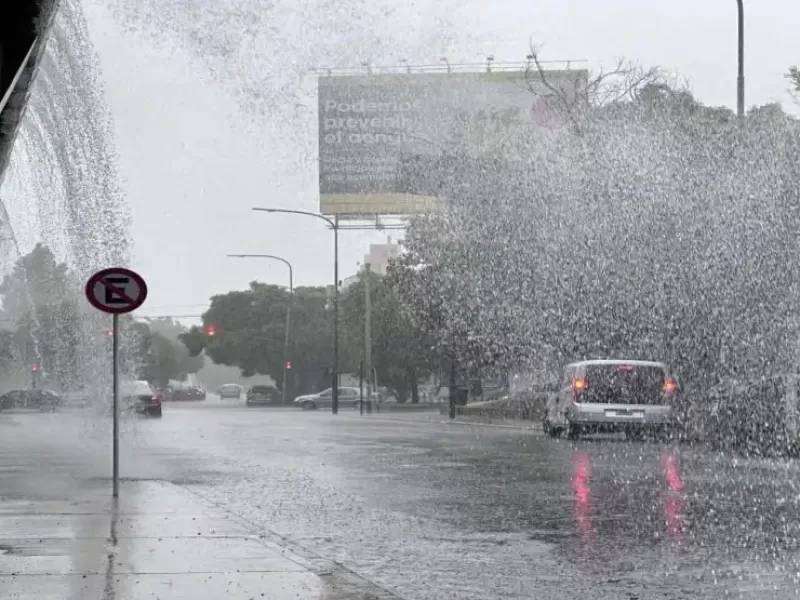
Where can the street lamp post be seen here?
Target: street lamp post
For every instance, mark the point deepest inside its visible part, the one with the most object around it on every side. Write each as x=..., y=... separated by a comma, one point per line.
x=740, y=77
x=288, y=312
x=334, y=223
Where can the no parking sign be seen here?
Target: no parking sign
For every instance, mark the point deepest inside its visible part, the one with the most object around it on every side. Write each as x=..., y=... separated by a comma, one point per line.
x=116, y=291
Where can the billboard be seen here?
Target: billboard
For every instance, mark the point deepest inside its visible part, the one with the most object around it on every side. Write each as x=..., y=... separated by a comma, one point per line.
x=374, y=129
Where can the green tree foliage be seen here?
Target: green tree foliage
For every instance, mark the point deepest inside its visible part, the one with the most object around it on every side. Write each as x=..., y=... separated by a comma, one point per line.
x=37, y=280
x=401, y=353
x=171, y=330
x=656, y=227
x=161, y=363
x=249, y=334
x=794, y=78
x=40, y=305
x=46, y=321
x=7, y=350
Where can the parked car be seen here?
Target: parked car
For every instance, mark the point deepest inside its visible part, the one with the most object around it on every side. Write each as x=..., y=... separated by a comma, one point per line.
x=42, y=400
x=230, y=390
x=188, y=393
x=348, y=397
x=631, y=396
x=263, y=395
x=140, y=397
x=165, y=392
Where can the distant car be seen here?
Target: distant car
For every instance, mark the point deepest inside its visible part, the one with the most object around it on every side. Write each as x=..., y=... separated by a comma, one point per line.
x=230, y=390
x=348, y=397
x=263, y=395
x=140, y=397
x=42, y=400
x=188, y=393
x=630, y=396
x=165, y=392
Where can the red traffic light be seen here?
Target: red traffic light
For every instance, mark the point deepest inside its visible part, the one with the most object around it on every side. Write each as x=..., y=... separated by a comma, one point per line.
x=211, y=330
x=35, y=366
x=288, y=364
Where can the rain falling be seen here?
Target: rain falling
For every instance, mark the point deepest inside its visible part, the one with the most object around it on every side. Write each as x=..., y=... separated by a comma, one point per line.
x=409, y=301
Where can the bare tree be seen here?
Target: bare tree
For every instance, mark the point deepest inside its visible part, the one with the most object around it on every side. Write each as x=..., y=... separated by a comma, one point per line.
x=621, y=83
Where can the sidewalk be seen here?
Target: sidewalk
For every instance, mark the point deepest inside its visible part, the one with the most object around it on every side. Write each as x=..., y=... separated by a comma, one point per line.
x=158, y=541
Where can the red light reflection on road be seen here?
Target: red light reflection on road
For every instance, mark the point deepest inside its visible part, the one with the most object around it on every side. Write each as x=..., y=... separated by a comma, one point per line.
x=582, y=493
x=673, y=495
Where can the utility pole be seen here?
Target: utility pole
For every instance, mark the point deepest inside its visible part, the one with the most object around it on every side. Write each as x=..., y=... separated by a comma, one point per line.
x=335, y=390
x=361, y=388
x=452, y=387
x=368, y=333
x=334, y=224
x=286, y=358
x=740, y=77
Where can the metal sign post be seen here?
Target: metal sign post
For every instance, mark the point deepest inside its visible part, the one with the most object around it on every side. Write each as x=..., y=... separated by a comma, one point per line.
x=116, y=291
x=115, y=406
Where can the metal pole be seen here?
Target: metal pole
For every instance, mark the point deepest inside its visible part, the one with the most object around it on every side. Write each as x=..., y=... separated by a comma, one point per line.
x=335, y=387
x=288, y=312
x=740, y=77
x=375, y=387
x=286, y=335
x=334, y=223
x=361, y=388
x=115, y=405
x=452, y=383
x=368, y=331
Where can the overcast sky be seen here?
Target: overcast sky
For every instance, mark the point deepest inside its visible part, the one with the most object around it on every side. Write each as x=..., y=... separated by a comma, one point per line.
x=214, y=113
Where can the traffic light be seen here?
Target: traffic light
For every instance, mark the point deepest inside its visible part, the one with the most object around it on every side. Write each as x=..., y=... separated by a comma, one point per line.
x=288, y=364
x=211, y=330
x=35, y=366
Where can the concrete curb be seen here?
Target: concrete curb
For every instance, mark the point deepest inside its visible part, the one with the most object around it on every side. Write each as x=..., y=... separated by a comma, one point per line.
x=532, y=428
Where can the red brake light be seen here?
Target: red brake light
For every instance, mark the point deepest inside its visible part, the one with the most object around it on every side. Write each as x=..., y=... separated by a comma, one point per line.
x=669, y=387
x=155, y=398
x=578, y=385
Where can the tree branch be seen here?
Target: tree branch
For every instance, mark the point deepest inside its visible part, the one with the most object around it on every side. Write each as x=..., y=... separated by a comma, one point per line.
x=621, y=83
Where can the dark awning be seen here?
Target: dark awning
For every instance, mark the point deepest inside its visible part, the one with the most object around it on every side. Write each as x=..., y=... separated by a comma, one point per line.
x=24, y=25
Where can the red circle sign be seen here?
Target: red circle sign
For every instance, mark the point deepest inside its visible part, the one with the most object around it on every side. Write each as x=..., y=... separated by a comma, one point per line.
x=116, y=290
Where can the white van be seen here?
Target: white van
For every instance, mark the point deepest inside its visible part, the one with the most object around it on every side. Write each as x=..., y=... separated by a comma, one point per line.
x=597, y=396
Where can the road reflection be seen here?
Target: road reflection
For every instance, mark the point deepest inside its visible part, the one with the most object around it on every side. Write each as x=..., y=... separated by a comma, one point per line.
x=603, y=507
x=673, y=496
x=582, y=493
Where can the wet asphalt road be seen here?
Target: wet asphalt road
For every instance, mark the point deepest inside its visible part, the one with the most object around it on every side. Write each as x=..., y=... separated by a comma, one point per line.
x=428, y=510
